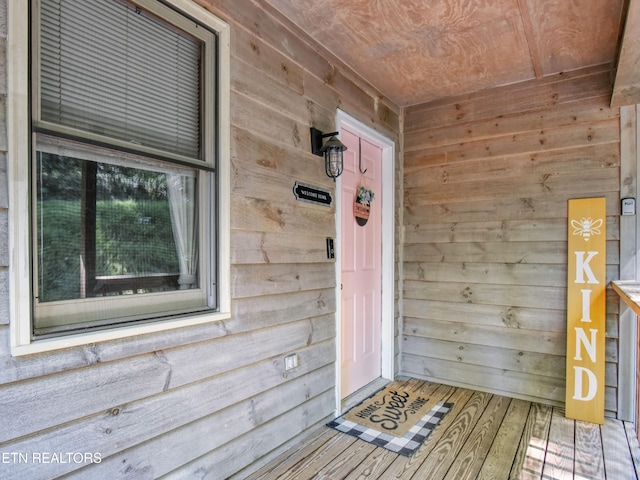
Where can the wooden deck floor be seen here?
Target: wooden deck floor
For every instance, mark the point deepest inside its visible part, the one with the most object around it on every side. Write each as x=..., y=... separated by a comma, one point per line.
x=485, y=436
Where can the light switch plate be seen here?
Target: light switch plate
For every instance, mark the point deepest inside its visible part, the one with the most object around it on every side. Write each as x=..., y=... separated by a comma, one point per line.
x=331, y=254
x=291, y=361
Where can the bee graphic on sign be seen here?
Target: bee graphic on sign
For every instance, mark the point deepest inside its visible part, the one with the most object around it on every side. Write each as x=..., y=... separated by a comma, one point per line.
x=586, y=227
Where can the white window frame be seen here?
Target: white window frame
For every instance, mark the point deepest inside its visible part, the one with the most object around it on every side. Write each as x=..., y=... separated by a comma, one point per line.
x=18, y=160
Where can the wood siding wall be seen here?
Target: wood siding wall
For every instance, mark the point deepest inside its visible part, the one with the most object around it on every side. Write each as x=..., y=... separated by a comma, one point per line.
x=209, y=401
x=486, y=183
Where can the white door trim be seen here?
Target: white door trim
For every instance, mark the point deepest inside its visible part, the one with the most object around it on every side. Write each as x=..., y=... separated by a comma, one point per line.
x=629, y=261
x=388, y=249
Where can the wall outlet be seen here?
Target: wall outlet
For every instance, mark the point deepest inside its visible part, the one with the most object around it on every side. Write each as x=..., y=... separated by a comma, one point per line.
x=291, y=361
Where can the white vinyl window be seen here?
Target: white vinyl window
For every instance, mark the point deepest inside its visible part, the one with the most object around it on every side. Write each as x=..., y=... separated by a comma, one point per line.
x=128, y=171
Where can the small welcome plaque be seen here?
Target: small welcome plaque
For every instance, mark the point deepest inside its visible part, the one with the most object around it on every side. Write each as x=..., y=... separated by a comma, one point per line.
x=307, y=193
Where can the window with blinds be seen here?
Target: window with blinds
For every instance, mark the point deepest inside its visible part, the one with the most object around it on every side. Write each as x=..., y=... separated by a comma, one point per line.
x=123, y=164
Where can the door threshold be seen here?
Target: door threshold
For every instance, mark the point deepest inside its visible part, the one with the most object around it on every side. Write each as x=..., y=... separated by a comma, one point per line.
x=365, y=392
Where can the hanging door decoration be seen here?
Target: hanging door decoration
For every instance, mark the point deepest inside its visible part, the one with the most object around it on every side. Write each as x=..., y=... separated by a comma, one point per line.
x=364, y=196
x=362, y=205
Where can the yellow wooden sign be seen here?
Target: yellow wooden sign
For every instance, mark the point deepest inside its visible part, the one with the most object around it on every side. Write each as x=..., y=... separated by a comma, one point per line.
x=586, y=302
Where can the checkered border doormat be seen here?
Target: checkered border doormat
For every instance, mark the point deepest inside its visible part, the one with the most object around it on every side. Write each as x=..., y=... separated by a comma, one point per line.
x=406, y=445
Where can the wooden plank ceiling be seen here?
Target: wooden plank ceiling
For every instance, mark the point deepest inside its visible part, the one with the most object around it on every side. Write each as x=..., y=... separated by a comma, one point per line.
x=416, y=51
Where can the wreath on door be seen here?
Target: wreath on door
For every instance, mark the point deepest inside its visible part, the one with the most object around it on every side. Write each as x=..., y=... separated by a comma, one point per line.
x=362, y=204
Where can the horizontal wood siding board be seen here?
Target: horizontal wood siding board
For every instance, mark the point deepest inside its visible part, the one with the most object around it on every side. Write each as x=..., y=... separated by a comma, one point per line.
x=546, y=275
x=384, y=120
x=255, y=345
x=532, y=362
x=550, y=229
x=270, y=186
x=250, y=213
x=253, y=313
x=270, y=279
x=214, y=398
x=246, y=449
x=488, y=356
x=552, y=138
x=487, y=177
x=251, y=152
x=353, y=94
x=434, y=173
x=315, y=105
x=545, y=390
x=515, y=89
x=270, y=123
x=280, y=248
x=515, y=274
x=165, y=453
x=588, y=111
x=271, y=62
x=277, y=33
x=500, y=209
x=498, y=252
x=519, y=385
x=108, y=386
x=487, y=294
x=452, y=302
x=27, y=405
x=262, y=29
x=548, y=342
x=13, y=369
x=128, y=425
x=269, y=91
x=540, y=318
x=532, y=96
x=487, y=252
x=313, y=303
x=576, y=185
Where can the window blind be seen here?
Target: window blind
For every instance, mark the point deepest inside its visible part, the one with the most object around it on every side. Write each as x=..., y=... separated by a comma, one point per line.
x=112, y=69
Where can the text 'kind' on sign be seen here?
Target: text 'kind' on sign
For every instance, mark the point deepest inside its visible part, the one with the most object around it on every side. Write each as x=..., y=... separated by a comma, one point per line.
x=586, y=303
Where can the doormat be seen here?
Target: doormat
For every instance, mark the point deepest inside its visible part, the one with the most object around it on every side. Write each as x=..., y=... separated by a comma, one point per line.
x=395, y=419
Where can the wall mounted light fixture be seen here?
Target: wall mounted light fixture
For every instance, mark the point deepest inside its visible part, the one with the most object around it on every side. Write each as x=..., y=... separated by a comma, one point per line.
x=332, y=151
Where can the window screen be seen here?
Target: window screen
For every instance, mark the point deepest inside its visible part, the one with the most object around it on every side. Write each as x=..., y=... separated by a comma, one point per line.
x=122, y=186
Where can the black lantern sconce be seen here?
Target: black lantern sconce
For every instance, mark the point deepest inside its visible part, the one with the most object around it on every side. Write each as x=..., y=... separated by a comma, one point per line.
x=332, y=151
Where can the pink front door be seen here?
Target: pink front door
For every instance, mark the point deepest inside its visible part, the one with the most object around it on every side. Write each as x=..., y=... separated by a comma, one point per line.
x=361, y=255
